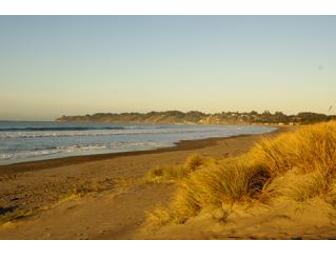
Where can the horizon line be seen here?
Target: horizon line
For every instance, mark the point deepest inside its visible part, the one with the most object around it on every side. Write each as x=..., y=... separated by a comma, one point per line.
x=146, y=112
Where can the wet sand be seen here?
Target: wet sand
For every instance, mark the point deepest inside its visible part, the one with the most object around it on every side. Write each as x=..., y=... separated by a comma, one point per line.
x=95, y=197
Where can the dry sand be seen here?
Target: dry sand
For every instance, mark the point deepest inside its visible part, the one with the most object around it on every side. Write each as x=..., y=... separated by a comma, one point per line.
x=95, y=197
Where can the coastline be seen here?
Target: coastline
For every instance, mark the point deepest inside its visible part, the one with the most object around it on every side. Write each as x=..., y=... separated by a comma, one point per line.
x=59, y=199
x=181, y=145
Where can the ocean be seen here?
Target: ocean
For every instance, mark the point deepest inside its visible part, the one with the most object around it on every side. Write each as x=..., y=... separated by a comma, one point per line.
x=22, y=141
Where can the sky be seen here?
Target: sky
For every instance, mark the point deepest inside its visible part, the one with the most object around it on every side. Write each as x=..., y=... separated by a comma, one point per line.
x=55, y=65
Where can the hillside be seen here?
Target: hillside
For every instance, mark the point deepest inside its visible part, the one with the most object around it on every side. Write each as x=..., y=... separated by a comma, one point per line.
x=196, y=117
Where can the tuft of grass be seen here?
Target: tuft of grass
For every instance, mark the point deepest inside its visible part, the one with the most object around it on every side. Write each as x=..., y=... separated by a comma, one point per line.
x=309, y=148
x=178, y=172
x=298, y=187
x=231, y=181
x=15, y=215
x=74, y=195
x=194, y=162
x=297, y=166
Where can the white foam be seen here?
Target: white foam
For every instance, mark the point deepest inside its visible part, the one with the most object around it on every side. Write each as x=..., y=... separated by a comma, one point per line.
x=29, y=145
x=41, y=134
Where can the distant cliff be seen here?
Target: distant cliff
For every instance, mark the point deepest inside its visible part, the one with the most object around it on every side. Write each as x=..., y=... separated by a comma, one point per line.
x=196, y=117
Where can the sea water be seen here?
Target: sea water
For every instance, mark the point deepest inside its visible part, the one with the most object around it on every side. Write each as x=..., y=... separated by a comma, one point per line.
x=28, y=141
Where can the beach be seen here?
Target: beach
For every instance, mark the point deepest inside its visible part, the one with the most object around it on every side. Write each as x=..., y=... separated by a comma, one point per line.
x=97, y=196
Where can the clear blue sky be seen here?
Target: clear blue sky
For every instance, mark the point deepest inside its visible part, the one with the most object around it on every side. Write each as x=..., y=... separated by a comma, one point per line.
x=57, y=65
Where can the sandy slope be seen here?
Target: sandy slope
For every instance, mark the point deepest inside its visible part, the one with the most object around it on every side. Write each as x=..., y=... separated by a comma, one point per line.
x=286, y=221
x=104, y=216
x=99, y=198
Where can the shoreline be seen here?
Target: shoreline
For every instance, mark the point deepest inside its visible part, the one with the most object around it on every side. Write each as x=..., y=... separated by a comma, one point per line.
x=66, y=194
x=182, y=145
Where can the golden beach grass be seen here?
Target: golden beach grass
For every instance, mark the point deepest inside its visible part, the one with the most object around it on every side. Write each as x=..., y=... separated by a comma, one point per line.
x=296, y=166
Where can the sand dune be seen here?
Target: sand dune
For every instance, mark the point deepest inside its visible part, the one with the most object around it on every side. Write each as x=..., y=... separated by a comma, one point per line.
x=283, y=188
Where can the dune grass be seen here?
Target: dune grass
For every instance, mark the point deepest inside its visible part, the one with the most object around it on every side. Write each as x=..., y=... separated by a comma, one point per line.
x=178, y=172
x=296, y=166
x=14, y=215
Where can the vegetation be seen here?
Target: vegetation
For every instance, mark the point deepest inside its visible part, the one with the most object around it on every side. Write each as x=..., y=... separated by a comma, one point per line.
x=174, y=173
x=298, y=166
x=203, y=118
x=12, y=214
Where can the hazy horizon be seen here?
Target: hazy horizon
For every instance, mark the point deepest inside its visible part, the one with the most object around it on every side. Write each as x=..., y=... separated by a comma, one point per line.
x=74, y=65
x=50, y=120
